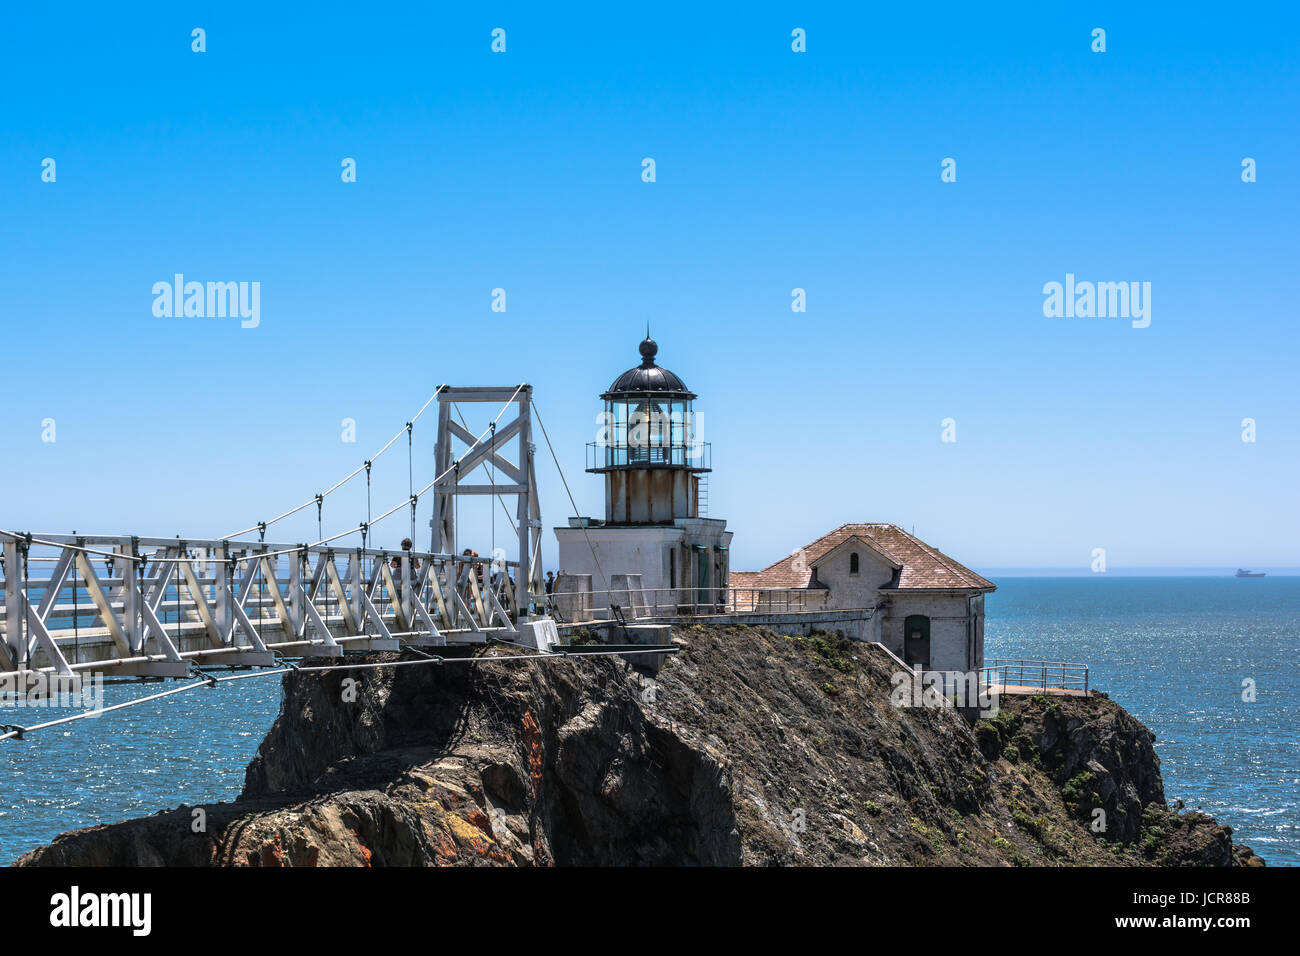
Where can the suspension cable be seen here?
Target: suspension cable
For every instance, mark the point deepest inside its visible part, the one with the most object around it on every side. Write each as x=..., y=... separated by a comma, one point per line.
x=367, y=494
x=455, y=466
x=500, y=500
x=492, y=480
x=343, y=481
x=410, y=476
x=261, y=526
x=555, y=458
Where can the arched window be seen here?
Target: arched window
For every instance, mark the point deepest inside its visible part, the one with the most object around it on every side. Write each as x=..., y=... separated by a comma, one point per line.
x=853, y=563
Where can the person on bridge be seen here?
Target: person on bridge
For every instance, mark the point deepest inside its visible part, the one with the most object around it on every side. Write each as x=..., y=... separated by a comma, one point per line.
x=467, y=568
x=397, y=564
x=415, y=562
x=550, y=583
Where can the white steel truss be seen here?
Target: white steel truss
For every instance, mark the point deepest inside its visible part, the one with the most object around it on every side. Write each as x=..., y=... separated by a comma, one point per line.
x=151, y=607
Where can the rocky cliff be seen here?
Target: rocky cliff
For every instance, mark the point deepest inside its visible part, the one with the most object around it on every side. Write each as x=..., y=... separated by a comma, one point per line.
x=749, y=747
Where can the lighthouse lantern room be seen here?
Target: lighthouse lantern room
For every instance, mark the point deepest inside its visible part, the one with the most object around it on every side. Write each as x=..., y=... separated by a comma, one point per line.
x=648, y=449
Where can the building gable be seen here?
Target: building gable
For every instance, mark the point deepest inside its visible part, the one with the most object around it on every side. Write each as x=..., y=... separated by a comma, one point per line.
x=920, y=565
x=876, y=567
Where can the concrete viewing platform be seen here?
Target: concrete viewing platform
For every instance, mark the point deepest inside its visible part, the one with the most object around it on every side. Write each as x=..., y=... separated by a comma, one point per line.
x=1027, y=678
x=1027, y=690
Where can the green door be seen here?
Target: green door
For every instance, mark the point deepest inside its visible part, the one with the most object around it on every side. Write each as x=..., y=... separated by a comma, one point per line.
x=702, y=574
x=916, y=641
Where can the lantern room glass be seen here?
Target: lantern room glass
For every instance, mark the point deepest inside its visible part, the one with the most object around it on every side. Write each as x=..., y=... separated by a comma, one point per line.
x=648, y=430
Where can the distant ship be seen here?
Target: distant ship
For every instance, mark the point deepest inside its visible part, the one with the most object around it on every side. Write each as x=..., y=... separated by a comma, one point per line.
x=1243, y=573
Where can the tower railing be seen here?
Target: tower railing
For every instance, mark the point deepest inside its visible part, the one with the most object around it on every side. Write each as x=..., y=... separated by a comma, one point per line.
x=694, y=455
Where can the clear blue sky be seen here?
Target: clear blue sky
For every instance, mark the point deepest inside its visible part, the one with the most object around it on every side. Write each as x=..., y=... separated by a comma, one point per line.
x=775, y=170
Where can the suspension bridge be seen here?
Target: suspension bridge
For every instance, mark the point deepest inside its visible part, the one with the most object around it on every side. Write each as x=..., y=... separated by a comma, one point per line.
x=128, y=606
x=133, y=608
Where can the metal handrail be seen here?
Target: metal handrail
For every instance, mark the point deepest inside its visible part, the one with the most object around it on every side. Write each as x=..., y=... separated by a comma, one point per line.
x=685, y=601
x=1048, y=675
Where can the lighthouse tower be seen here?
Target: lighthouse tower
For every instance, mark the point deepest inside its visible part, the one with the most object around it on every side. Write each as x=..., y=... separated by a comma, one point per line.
x=652, y=460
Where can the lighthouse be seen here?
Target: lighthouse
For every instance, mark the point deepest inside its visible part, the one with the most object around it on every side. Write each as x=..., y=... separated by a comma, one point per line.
x=653, y=463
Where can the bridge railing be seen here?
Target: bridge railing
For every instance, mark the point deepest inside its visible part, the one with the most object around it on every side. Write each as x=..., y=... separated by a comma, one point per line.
x=149, y=606
x=1040, y=675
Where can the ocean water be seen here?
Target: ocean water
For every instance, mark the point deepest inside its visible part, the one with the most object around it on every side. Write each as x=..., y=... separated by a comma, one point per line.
x=188, y=748
x=1172, y=651
x=1175, y=653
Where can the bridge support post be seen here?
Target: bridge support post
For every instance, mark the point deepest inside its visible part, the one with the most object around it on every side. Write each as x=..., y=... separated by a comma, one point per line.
x=131, y=623
x=11, y=646
x=225, y=571
x=297, y=616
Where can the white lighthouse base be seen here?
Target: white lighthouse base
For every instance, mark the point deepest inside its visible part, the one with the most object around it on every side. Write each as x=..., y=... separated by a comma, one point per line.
x=680, y=565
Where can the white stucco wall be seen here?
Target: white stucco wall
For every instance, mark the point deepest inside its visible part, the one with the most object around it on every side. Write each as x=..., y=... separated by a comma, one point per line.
x=627, y=550
x=952, y=647
x=645, y=550
x=850, y=590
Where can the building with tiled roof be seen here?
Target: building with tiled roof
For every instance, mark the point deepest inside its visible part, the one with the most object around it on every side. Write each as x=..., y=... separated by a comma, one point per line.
x=927, y=608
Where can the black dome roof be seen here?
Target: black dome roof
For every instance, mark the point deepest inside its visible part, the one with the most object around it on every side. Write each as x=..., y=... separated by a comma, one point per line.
x=648, y=377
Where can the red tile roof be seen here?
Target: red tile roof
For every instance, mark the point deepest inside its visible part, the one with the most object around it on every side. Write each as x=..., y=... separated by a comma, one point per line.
x=923, y=566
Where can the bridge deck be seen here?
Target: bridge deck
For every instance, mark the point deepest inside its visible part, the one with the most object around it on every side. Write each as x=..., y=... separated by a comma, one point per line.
x=155, y=607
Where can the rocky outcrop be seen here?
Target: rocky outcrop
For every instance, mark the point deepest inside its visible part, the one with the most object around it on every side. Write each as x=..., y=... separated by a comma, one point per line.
x=1103, y=762
x=749, y=747
x=1100, y=755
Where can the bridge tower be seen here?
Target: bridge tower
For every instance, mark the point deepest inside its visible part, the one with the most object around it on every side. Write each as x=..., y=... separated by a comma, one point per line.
x=490, y=453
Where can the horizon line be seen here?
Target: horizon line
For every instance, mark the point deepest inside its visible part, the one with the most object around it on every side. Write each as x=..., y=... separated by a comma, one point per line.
x=1140, y=570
